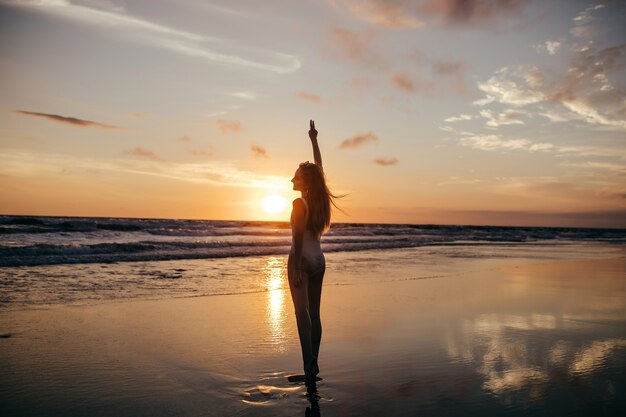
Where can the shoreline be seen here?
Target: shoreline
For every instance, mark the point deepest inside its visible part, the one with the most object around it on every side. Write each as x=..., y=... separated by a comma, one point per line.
x=82, y=284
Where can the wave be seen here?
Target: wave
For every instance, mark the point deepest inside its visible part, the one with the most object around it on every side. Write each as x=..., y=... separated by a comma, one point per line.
x=62, y=240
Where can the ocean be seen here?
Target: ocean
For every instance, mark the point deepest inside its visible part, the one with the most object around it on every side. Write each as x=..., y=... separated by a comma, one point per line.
x=105, y=316
x=61, y=260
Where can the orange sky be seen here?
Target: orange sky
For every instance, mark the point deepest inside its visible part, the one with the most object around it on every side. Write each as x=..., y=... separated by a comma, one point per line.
x=507, y=114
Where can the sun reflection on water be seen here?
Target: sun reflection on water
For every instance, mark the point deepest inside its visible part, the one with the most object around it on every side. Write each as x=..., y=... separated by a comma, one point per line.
x=275, y=274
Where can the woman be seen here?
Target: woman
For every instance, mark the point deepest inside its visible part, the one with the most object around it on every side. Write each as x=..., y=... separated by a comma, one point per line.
x=310, y=217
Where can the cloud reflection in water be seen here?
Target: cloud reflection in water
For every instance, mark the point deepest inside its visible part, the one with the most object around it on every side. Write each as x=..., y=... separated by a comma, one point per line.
x=519, y=357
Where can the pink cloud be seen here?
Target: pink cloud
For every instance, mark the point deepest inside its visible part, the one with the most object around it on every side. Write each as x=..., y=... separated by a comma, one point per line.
x=455, y=70
x=388, y=13
x=403, y=82
x=229, y=126
x=259, y=152
x=352, y=46
x=142, y=153
x=312, y=98
x=358, y=141
x=386, y=161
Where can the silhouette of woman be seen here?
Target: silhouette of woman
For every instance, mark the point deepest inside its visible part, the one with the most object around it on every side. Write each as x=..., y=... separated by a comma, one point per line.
x=310, y=217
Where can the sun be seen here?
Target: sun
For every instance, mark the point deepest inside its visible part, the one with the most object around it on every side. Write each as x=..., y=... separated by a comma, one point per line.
x=274, y=204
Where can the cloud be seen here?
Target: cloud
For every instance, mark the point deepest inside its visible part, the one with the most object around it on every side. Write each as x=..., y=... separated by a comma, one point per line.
x=386, y=161
x=246, y=95
x=458, y=118
x=587, y=90
x=407, y=14
x=408, y=84
x=358, y=141
x=312, y=98
x=142, y=153
x=388, y=13
x=552, y=47
x=479, y=13
x=229, y=126
x=403, y=82
x=17, y=163
x=452, y=69
x=590, y=90
x=67, y=120
x=116, y=21
x=259, y=152
x=456, y=180
x=582, y=27
x=516, y=86
x=354, y=47
x=184, y=138
x=507, y=117
x=494, y=142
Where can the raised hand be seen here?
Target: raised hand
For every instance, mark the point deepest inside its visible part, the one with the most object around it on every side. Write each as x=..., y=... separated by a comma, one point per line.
x=312, y=131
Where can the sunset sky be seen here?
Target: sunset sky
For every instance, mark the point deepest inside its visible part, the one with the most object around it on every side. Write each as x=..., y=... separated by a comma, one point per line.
x=503, y=112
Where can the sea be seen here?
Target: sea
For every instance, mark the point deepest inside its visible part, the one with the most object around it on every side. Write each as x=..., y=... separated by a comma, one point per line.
x=51, y=260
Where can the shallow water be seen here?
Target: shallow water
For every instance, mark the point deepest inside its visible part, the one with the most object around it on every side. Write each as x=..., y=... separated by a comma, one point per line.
x=33, y=286
x=485, y=332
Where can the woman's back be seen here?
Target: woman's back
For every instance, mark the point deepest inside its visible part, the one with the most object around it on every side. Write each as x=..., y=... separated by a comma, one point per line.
x=311, y=245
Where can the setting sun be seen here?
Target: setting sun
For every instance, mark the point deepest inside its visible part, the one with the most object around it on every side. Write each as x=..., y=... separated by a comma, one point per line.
x=274, y=204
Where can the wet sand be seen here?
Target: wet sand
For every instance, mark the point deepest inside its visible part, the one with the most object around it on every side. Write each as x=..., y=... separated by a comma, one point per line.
x=507, y=336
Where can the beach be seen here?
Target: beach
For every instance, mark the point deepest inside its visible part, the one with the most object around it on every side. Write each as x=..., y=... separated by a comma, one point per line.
x=469, y=330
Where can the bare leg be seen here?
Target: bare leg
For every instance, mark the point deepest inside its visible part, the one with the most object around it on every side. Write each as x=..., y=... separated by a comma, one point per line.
x=300, y=297
x=315, y=297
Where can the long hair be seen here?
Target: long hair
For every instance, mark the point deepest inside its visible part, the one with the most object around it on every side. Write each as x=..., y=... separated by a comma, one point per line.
x=318, y=197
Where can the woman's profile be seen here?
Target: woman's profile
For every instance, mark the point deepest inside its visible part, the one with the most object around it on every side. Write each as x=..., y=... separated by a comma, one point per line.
x=310, y=217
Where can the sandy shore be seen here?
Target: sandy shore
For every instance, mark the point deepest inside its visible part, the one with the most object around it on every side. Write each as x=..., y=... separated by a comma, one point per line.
x=512, y=336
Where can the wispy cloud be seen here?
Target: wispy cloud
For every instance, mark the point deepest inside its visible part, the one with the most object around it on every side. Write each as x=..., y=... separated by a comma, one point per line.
x=184, y=138
x=312, y=98
x=403, y=14
x=246, y=95
x=386, y=161
x=454, y=70
x=390, y=14
x=551, y=47
x=358, y=141
x=136, y=29
x=142, y=153
x=403, y=82
x=507, y=117
x=207, y=172
x=493, y=142
x=459, y=118
x=410, y=84
x=582, y=22
x=354, y=47
x=73, y=121
x=516, y=86
x=259, y=151
x=229, y=126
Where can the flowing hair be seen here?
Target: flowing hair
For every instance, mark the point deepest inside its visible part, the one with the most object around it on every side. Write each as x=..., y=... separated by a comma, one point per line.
x=319, y=198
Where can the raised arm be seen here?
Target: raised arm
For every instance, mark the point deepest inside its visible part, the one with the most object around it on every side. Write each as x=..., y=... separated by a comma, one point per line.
x=316, y=149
